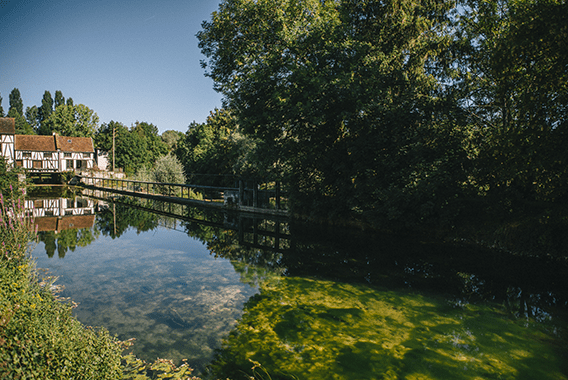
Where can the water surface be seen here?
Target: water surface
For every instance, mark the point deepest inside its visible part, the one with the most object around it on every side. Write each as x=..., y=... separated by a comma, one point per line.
x=310, y=303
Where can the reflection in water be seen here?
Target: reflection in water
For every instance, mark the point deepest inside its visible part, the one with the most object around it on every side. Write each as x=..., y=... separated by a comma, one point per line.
x=311, y=303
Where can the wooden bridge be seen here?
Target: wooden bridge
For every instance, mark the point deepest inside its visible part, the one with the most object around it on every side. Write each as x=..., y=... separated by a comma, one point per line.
x=265, y=198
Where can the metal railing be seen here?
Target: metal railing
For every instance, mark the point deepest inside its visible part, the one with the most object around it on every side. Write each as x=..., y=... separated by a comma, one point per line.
x=258, y=196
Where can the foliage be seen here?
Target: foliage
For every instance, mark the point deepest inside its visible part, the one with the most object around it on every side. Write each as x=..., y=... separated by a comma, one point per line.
x=16, y=103
x=17, y=112
x=1, y=108
x=207, y=148
x=171, y=138
x=8, y=178
x=396, y=111
x=137, y=369
x=518, y=96
x=32, y=117
x=344, y=95
x=135, y=148
x=39, y=337
x=168, y=169
x=77, y=121
x=44, y=112
x=59, y=99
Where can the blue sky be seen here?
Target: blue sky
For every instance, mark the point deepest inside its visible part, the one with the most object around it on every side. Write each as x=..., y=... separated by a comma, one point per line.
x=128, y=60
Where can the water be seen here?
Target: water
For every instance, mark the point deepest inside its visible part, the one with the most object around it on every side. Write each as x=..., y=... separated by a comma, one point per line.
x=308, y=303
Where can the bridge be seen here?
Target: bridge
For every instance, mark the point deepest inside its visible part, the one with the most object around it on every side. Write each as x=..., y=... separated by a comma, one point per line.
x=248, y=196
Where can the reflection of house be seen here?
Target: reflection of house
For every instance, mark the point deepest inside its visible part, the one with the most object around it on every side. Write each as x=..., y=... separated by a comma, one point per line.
x=61, y=213
x=45, y=153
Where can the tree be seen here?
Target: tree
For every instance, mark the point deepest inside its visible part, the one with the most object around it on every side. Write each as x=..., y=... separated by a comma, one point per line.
x=1, y=109
x=16, y=103
x=136, y=148
x=78, y=121
x=45, y=112
x=32, y=117
x=154, y=144
x=168, y=169
x=207, y=147
x=16, y=111
x=517, y=95
x=59, y=99
x=348, y=96
x=171, y=138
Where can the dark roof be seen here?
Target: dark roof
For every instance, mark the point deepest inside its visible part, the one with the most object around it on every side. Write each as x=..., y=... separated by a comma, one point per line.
x=35, y=143
x=54, y=143
x=7, y=125
x=76, y=221
x=74, y=144
x=54, y=223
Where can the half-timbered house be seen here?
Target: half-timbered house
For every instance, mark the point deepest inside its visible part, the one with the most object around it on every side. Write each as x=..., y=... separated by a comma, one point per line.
x=7, y=133
x=45, y=153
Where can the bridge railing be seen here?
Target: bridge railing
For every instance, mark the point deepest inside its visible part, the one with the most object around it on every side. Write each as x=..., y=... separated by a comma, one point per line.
x=266, y=195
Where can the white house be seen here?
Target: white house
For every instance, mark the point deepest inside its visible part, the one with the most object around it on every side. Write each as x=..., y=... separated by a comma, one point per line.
x=45, y=153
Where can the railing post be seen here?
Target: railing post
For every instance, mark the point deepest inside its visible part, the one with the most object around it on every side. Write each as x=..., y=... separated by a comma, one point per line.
x=241, y=192
x=277, y=195
x=254, y=194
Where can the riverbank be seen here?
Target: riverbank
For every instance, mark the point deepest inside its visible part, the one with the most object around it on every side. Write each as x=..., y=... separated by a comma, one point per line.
x=39, y=336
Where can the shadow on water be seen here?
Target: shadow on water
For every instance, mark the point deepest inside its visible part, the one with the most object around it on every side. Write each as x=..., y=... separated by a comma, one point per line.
x=338, y=304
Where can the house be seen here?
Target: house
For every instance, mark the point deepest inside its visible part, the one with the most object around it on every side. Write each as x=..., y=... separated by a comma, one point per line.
x=45, y=153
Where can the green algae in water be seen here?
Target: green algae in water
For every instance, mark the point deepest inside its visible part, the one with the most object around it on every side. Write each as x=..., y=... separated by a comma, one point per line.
x=309, y=329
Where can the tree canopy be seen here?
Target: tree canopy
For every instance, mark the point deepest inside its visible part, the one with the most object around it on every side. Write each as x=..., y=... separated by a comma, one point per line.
x=343, y=92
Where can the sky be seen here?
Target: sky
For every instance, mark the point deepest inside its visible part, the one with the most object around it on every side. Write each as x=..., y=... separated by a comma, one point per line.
x=127, y=60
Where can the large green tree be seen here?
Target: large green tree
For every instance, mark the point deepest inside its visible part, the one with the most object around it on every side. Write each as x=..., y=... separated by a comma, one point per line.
x=45, y=111
x=136, y=149
x=207, y=147
x=517, y=95
x=59, y=99
x=78, y=121
x=17, y=112
x=16, y=103
x=347, y=95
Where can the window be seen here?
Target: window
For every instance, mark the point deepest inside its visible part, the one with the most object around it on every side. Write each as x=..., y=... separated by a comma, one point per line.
x=67, y=155
x=78, y=164
x=47, y=155
x=86, y=155
x=27, y=154
x=69, y=164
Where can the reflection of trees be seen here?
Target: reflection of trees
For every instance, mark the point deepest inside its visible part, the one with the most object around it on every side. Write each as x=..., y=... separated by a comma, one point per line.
x=66, y=240
x=320, y=329
x=116, y=219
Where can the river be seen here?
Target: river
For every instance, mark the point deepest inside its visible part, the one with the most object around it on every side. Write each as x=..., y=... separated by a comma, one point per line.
x=225, y=290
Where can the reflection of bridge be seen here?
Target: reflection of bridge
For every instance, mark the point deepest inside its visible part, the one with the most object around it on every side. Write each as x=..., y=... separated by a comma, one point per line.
x=58, y=214
x=260, y=232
